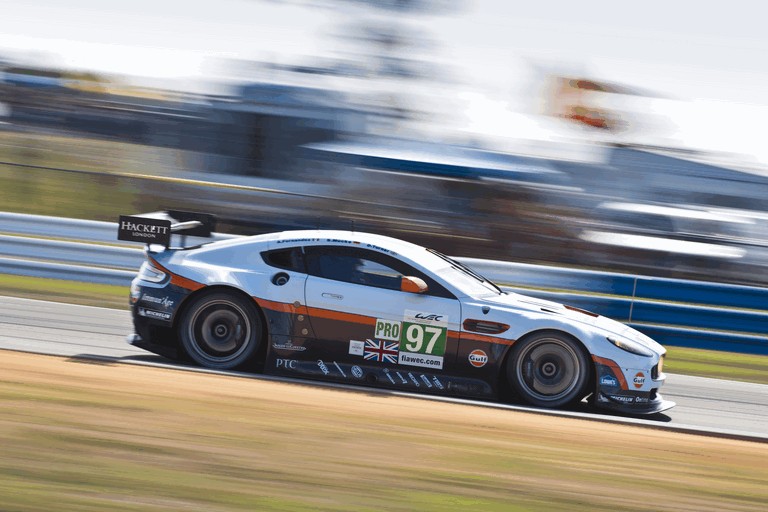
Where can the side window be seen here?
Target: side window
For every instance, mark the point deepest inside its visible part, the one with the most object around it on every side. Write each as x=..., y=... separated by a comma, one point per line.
x=341, y=264
x=369, y=268
x=288, y=259
x=373, y=273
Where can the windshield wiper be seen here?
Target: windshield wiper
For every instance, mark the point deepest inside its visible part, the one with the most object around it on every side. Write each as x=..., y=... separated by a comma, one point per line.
x=460, y=266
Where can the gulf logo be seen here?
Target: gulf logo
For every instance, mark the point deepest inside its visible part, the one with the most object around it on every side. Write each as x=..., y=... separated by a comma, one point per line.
x=639, y=380
x=478, y=358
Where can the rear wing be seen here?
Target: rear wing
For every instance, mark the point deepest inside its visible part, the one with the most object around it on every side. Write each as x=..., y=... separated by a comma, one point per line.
x=157, y=227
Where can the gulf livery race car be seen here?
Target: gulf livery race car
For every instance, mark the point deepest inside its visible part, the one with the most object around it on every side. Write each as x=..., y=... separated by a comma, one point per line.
x=360, y=308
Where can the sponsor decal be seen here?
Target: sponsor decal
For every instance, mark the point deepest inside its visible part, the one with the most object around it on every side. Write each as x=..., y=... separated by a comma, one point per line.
x=357, y=371
x=478, y=358
x=639, y=380
x=413, y=379
x=297, y=240
x=609, y=380
x=146, y=230
x=289, y=346
x=323, y=367
x=438, y=384
x=420, y=360
x=340, y=370
x=423, y=339
x=624, y=399
x=642, y=399
x=149, y=313
x=425, y=318
x=386, y=372
x=381, y=351
x=425, y=379
x=356, y=348
x=387, y=330
x=165, y=301
x=402, y=379
x=371, y=246
x=288, y=364
x=420, y=340
x=428, y=317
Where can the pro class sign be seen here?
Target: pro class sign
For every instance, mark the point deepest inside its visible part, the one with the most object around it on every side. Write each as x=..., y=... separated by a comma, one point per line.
x=144, y=230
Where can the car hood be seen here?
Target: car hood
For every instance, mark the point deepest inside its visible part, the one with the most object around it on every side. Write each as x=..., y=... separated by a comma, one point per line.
x=517, y=302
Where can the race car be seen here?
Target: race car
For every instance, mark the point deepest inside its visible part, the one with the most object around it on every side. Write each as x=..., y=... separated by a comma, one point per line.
x=361, y=308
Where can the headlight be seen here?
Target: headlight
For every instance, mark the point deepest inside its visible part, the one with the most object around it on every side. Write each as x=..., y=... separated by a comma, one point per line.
x=149, y=273
x=631, y=346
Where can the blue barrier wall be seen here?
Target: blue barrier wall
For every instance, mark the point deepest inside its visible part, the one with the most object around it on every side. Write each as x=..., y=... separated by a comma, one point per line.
x=674, y=312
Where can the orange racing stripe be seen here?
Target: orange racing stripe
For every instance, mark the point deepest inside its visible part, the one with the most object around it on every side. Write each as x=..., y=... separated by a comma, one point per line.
x=329, y=314
x=177, y=280
x=281, y=307
x=470, y=336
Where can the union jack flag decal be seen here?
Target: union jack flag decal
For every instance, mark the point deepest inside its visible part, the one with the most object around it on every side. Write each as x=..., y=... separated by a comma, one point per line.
x=382, y=351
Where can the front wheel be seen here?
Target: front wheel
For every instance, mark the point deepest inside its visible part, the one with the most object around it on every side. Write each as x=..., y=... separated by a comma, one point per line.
x=220, y=330
x=548, y=370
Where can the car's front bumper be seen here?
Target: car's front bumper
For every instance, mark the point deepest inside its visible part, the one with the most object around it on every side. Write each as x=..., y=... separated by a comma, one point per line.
x=628, y=402
x=629, y=391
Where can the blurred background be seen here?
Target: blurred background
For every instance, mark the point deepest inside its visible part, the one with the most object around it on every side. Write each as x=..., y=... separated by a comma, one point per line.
x=585, y=134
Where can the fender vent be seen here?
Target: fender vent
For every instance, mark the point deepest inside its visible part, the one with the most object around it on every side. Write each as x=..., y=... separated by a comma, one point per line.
x=484, y=326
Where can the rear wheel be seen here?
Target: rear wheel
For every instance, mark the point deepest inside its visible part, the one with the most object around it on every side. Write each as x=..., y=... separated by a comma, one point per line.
x=220, y=330
x=548, y=370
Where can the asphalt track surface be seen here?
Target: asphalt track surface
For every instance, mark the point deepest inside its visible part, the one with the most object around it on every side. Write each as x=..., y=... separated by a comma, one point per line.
x=707, y=406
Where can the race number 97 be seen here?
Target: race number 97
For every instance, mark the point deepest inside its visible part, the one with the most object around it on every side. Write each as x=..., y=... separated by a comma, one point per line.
x=424, y=339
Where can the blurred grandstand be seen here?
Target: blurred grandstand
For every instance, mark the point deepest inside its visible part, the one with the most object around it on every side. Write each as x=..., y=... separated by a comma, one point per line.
x=301, y=156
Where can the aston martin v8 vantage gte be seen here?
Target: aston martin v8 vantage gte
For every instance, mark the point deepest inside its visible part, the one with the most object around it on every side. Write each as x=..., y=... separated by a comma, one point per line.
x=361, y=308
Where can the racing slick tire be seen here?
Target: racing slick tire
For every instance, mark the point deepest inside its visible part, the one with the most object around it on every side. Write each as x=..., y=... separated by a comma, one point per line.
x=220, y=330
x=548, y=369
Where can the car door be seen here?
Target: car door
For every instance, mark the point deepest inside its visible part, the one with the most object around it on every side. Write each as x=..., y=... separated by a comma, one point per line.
x=362, y=318
x=278, y=299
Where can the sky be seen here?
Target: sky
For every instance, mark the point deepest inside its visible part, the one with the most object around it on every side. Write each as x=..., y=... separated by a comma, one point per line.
x=705, y=59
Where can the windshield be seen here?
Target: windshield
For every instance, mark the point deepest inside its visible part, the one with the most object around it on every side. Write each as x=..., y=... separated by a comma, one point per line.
x=463, y=277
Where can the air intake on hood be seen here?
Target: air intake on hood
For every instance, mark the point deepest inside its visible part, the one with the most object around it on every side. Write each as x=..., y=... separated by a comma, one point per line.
x=484, y=326
x=584, y=311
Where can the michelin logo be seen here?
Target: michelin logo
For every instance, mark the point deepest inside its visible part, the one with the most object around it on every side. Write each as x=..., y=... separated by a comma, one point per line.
x=154, y=314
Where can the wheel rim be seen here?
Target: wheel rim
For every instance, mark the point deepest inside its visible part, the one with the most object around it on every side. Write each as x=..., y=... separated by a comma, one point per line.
x=219, y=331
x=549, y=369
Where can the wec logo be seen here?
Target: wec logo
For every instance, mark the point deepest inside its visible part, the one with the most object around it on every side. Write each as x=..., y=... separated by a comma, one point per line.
x=422, y=316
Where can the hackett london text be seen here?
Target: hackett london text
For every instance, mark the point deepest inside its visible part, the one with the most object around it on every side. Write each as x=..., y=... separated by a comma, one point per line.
x=143, y=228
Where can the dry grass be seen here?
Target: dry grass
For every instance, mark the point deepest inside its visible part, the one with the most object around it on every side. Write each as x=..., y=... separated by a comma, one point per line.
x=79, y=436
x=59, y=290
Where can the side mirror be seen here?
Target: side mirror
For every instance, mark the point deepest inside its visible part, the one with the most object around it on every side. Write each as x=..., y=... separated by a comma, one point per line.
x=413, y=285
